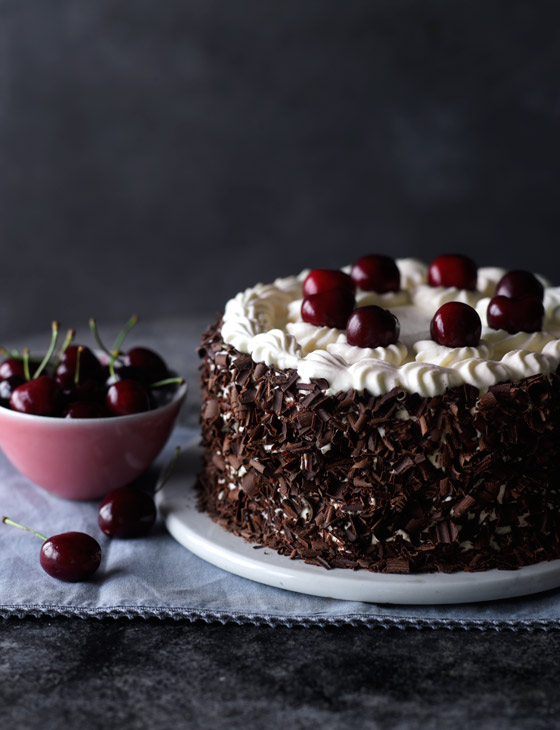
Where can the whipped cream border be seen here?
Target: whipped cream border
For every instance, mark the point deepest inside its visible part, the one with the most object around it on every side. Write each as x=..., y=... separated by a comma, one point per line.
x=264, y=321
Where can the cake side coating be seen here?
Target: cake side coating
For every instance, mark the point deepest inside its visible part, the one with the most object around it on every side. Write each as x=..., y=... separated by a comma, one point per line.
x=397, y=482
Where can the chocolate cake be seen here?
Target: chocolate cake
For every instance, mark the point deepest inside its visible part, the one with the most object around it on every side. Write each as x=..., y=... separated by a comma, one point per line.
x=410, y=457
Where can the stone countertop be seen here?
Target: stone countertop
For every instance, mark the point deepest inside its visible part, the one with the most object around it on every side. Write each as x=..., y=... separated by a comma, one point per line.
x=153, y=673
x=162, y=674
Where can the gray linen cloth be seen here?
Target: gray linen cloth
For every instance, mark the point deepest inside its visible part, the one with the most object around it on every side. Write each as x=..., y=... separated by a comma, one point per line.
x=156, y=577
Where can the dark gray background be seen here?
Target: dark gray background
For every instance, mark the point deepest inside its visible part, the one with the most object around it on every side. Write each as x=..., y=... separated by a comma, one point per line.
x=156, y=157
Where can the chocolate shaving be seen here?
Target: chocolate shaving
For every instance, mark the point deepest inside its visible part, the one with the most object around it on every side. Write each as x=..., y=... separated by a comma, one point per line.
x=469, y=478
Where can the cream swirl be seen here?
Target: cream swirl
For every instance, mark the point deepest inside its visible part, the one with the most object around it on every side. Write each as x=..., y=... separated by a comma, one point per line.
x=396, y=354
x=375, y=376
x=430, y=351
x=482, y=373
x=277, y=348
x=503, y=342
x=309, y=337
x=428, y=379
x=524, y=364
x=265, y=322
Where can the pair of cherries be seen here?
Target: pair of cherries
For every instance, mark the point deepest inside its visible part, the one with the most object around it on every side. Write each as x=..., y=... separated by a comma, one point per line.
x=74, y=383
x=76, y=556
x=126, y=512
x=330, y=298
x=515, y=307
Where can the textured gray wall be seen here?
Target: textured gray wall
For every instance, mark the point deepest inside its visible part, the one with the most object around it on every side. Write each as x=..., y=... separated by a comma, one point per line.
x=158, y=156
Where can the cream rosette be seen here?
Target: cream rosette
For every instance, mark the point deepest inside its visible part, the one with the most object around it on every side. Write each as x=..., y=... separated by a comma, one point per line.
x=524, y=364
x=447, y=357
x=503, y=342
x=426, y=379
x=265, y=322
x=394, y=354
x=310, y=338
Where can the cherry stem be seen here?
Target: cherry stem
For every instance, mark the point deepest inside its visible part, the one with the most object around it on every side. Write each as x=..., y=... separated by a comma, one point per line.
x=168, y=381
x=167, y=474
x=78, y=360
x=8, y=521
x=124, y=332
x=65, y=345
x=49, y=352
x=114, y=356
x=26, y=371
x=10, y=353
x=96, y=335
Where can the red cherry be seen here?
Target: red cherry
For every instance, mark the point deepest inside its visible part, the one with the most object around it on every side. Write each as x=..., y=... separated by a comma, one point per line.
x=456, y=324
x=70, y=556
x=127, y=512
x=90, y=367
x=520, y=284
x=320, y=280
x=453, y=270
x=518, y=314
x=11, y=366
x=329, y=308
x=40, y=397
x=7, y=387
x=126, y=397
x=147, y=362
x=376, y=273
x=86, y=409
x=372, y=326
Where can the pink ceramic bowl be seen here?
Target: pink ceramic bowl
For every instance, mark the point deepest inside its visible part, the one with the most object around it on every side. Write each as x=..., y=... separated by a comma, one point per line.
x=88, y=457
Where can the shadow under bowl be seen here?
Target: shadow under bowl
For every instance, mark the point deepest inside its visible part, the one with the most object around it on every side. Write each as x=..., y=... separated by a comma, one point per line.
x=86, y=458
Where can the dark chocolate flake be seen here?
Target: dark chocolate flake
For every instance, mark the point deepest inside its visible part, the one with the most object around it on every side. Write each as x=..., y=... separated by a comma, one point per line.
x=499, y=452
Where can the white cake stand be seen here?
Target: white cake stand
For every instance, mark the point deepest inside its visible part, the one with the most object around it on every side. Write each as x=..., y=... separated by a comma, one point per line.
x=196, y=531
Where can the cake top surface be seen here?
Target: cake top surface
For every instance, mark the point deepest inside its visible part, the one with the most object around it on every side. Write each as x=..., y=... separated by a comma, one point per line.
x=265, y=321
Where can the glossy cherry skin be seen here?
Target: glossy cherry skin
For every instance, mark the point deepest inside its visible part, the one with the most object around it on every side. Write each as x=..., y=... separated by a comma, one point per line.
x=372, y=326
x=329, y=308
x=41, y=397
x=148, y=362
x=70, y=556
x=90, y=367
x=126, y=397
x=11, y=366
x=376, y=273
x=321, y=280
x=86, y=409
x=127, y=512
x=520, y=284
x=518, y=314
x=7, y=387
x=453, y=270
x=456, y=324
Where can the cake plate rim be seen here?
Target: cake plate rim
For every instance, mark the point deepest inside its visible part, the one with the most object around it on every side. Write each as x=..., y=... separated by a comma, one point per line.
x=197, y=532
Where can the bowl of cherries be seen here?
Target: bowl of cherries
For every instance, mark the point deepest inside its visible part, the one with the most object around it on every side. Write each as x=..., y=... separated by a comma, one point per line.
x=81, y=422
